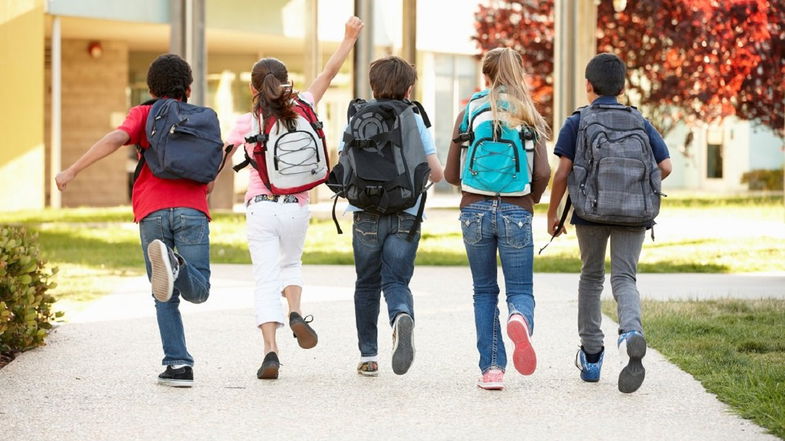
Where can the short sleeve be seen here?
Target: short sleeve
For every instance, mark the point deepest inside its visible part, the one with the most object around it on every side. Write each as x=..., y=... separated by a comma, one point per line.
x=658, y=146
x=340, y=141
x=134, y=124
x=565, y=145
x=241, y=128
x=425, y=136
x=307, y=97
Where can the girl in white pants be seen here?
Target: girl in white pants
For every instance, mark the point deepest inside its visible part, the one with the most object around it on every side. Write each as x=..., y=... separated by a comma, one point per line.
x=277, y=224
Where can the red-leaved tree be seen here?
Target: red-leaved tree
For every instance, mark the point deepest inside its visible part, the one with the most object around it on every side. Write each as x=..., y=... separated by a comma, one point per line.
x=688, y=60
x=526, y=26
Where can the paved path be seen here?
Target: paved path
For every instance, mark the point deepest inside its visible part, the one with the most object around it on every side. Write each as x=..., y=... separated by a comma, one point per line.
x=95, y=380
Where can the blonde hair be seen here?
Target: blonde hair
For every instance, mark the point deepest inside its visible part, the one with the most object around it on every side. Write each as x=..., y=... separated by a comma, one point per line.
x=504, y=68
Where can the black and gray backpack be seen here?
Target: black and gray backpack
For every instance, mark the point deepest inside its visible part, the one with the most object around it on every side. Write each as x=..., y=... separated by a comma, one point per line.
x=382, y=168
x=615, y=179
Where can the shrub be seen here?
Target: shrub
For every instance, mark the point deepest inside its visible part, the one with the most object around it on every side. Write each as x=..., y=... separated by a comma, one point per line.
x=25, y=306
x=761, y=179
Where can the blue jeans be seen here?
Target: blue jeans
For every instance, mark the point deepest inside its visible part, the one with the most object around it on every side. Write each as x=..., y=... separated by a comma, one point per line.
x=384, y=261
x=187, y=232
x=487, y=226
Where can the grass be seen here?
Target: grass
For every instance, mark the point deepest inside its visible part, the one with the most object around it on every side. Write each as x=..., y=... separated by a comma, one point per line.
x=97, y=247
x=735, y=348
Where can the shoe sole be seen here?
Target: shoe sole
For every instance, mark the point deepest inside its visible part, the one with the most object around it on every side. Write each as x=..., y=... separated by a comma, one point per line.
x=306, y=336
x=175, y=383
x=491, y=386
x=631, y=376
x=268, y=372
x=524, y=358
x=403, y=353
x=161, y=279
x=368, y=374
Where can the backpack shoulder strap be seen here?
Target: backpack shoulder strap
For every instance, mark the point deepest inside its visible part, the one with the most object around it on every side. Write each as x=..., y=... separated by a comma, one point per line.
x=311, y=116
x=418, y=108
x=354, y=106
x=418, y=217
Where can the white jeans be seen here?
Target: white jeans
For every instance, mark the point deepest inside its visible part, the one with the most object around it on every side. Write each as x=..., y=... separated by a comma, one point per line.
x=276, y=234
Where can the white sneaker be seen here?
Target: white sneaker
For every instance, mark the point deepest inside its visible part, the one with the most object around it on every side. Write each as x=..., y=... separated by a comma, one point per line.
x=164, y=269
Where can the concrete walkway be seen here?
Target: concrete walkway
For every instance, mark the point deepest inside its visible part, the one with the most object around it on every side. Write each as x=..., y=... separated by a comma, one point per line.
x=95, y=380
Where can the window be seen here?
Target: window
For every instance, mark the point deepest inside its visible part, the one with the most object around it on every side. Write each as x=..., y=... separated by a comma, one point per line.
x=714, y=161
x=456, y=80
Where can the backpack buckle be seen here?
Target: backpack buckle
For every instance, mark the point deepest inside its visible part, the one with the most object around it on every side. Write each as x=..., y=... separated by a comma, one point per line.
x=318, y=125
x=463, y=137
x=259, y=138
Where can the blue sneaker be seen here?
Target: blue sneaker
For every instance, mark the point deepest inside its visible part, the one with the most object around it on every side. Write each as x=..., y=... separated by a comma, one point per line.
x=590, y=372
x=632, y=349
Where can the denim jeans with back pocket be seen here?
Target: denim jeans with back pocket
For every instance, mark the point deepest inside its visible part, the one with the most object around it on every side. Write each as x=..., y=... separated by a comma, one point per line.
x=187, y=231
x=384, y=262
x=488, y=226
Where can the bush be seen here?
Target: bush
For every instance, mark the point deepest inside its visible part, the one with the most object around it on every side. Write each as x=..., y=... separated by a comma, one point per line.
x=761, y=179
x=25, y=306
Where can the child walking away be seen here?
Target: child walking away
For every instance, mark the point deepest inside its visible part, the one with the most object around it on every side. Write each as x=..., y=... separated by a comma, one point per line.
x=169, y=199
x=284, y=142
x=386, y=158
x=498, y=158
x=612, y=161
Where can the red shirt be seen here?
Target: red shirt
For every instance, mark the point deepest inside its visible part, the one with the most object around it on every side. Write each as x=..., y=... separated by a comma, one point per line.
x=150, y=192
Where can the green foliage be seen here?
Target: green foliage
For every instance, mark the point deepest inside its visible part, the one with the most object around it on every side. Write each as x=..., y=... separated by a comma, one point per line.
x=735, y=348
x=25, y=305
x=762, y=179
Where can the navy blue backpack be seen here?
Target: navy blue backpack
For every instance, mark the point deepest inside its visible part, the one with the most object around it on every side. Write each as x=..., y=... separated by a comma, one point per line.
x=185, y=142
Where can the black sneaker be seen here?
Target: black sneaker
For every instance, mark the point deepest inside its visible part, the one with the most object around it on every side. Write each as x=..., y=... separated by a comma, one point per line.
x=165, y=267
x=403, y=344
x=269, y=368
x=180, y=377
x=305, y=335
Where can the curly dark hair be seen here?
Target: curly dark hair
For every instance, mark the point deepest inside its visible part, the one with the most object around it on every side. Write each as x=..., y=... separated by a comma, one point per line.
x=169, y=76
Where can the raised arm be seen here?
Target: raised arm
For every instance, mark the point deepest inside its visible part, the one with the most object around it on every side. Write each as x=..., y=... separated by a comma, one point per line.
x=104, y=147
x=353, y=27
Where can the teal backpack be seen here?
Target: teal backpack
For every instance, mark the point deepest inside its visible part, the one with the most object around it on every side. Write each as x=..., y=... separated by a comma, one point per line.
x=494, y=164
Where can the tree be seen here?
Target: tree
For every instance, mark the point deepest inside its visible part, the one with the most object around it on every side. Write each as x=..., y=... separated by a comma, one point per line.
x=688, y=60
x=526, y=26
x=693, y=67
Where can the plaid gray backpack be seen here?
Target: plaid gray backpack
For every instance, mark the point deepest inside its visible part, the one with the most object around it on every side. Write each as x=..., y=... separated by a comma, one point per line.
x=615, y=179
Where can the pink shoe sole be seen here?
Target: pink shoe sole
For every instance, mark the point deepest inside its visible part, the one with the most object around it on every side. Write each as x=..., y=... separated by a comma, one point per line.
x=524, y=358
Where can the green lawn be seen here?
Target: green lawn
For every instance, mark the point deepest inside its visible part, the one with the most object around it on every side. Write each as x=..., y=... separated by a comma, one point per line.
x=90, y=244
x=735, y=348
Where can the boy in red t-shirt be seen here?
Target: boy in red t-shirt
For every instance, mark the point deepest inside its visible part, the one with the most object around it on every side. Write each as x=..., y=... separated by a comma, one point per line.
x=172, y=215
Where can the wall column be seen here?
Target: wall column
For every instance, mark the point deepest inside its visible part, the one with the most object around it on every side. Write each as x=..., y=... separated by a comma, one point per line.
x=363, y=49
x=56, y=146
x=575, y=45
x=22, y=158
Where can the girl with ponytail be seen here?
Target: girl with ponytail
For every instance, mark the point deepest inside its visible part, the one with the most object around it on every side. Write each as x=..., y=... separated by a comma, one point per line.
x=502, y=222
x=277, y=224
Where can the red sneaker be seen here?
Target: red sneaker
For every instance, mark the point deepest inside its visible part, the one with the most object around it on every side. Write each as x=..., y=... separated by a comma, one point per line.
x=524, y=358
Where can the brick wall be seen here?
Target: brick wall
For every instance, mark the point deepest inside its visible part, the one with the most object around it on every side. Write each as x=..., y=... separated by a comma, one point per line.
x=93, y=89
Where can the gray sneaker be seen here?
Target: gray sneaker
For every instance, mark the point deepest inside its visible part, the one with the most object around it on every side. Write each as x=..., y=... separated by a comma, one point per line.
x=165, y=267
x=403, y=343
